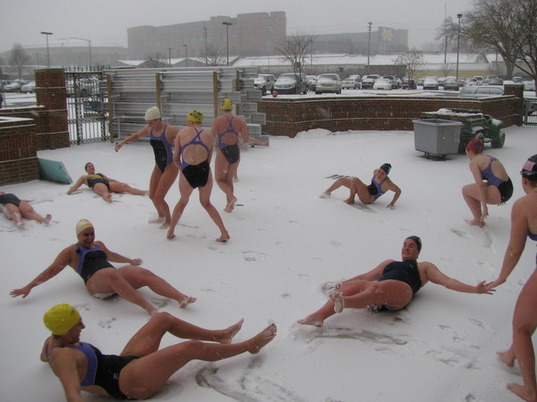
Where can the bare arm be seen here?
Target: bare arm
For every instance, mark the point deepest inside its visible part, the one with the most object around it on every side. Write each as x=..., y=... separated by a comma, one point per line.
x=517, y=241
x=393, y=187
x=436, y=276
x=62, y=260
x=133, y=137
x=79, y=182
x=63, y=363
x=116, y=257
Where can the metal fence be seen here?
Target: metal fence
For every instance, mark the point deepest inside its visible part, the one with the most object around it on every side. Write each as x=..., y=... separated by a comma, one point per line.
x=111, y=104
x=530, y=111
x=86, y=114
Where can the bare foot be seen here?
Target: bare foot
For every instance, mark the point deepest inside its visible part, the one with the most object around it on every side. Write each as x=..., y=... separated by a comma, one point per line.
x=47, y=219
x=475, y=222
x=230, y=206
x=339, y=301
x=330, y=287
x=257, y=342
x=326, y=194
x=170, y=235
x=165, y=225
x=20, y=224
x=522, y=392
x=507, y=357
x=151, y=311
x=223, y=237
x=230, y=332
x=186, y=301
x=349, y=201
x=108, y=198
x=158, y=219
x=311, y=320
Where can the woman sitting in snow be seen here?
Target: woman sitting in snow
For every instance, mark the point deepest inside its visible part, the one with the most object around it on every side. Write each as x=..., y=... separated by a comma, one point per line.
x=89, y=258
x=368, y=194
x=103, y=185
x=141, y=369
x=390, y=286
x=16, y=209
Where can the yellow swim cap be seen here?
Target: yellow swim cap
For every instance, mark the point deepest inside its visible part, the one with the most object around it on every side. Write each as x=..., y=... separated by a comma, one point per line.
x=61, y=318
x=82, y=224
x=195, y=116
x=226, y=104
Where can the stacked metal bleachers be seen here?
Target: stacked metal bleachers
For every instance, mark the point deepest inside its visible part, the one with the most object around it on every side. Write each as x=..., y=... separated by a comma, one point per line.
x=177, y=91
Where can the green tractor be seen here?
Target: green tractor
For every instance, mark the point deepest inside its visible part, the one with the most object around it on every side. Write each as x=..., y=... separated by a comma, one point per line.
x=475, y=124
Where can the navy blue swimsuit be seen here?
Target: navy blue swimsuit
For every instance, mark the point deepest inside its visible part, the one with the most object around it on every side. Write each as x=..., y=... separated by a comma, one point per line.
x=403, y=271
x=90, y=261
x=162, y=149
x=9, y=199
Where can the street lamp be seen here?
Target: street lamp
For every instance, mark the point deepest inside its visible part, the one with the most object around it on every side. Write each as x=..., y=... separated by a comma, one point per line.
x=48, y=54
x=186, y=54
x=459, y=16
x=227, y=24
x=369, y=24
x=87, y=40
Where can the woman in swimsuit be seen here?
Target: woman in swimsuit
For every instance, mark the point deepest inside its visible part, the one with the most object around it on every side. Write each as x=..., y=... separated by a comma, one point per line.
x=141, y=369
x=193, y=148
x=380, y=184
x=90, y=259
x=229, y=131
x=391, y=285
x=162, y=137
x=492, y=184
x=102, y=184
x=523, y=225
x=15, y=209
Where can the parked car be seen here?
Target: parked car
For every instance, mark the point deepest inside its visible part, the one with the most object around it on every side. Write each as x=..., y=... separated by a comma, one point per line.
x=382, y=83
x=14, y=86
x=529, y=85
x=350, y=83
x=451, y=84
x=408, y=83
x=311, y=80
x=328, y=83
x=430, y=83
x=265, y=82
x=290, y=83
x=396, y=82
x=29, y=87
x=480, y=91
x=369, y=80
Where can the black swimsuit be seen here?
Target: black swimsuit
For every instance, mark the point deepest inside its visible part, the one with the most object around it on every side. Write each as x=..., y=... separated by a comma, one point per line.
x=90, y=261
x=9, y=199
x=403, y=271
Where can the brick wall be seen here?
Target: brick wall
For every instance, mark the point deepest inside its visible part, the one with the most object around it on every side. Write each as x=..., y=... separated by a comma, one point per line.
x=288, y=117
x=18, y=153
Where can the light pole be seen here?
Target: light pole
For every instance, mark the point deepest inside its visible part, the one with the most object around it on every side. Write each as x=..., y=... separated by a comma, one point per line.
x=186, y=54
x=369, y=24
x=227, y=24
x=48, y=54
x=89, y=45
x=459, y=16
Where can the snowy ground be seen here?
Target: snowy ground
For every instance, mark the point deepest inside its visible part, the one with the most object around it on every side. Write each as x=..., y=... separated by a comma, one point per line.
x=285, y=242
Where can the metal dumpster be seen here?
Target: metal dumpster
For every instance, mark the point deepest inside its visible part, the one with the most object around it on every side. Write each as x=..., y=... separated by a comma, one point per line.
x=437, y=137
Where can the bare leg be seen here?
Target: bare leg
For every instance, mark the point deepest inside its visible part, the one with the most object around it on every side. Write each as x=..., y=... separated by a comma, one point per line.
x=524, y=325
x=110, y=280
x=224, y=173
x=12, y=212
x=102, y=190
x=137, y=382
x=28, y=212
x=118, y=187
x=342, y=181
x=185, y=189
x=471, y=196
x=205, y=194
x=164, y=184
x=139, y=277
x=358, y=188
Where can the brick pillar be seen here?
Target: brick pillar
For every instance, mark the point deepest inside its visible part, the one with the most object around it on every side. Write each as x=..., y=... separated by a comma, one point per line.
x=18, y=155
x=50, y=92
x=518, y=91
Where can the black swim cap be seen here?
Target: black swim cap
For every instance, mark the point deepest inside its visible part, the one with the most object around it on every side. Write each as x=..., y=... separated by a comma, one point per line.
x=417, y=240
x=386, y=167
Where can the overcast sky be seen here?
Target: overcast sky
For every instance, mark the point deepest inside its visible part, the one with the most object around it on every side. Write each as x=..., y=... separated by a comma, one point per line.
x=22, y=21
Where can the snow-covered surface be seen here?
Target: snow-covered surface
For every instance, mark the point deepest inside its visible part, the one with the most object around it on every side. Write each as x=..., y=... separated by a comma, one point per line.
x=285, y=243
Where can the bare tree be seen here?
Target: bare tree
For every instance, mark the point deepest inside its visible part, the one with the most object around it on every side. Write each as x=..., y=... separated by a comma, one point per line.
x=295, y=49
x=413, y=60
x=18, y=58
x=155, y=61
x=213, y=56
x=508, y=27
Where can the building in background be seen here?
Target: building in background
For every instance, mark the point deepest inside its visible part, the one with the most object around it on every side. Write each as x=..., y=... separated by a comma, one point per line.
x=253, y=34
x=384, y=40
